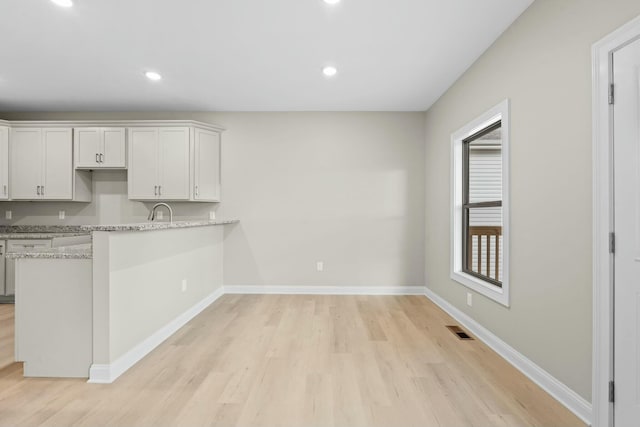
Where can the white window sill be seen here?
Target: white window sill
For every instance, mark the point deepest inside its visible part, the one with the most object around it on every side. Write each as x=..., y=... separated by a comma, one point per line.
x=484, y=288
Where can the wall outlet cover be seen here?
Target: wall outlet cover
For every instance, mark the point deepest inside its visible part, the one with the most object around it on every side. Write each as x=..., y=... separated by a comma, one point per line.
x=320, y=266
x=212, y=215
x=159, y=214
x=184, y=285
x=61, y=214
x=8, y=214
x=469, y=299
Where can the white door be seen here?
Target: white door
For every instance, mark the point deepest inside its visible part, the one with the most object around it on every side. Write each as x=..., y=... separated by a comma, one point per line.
x=26, y=164
x=58, y=164
x=626, y=63
x=207, y=165
x=87, y=147
x=113, y=148
x=143, y=164
x=4, y=163
x=174, y=163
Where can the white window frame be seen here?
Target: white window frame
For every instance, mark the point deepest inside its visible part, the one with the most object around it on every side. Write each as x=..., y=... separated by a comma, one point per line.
x=498, y=113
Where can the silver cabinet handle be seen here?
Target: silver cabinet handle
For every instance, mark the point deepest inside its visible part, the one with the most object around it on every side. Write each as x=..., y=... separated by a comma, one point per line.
x=42, y=189
x=97, y=158
x=5, y=189
x=155, y=190
x=38, y=190
x=197, y=191
x=159, y=190
x=101, y=157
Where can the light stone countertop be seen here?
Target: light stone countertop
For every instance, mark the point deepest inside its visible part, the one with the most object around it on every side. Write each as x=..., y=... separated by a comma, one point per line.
x=68, y=252
x=39, y=235
x=149, y=226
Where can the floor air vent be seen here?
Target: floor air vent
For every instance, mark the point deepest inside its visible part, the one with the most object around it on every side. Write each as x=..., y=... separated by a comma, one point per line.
x=457, y=330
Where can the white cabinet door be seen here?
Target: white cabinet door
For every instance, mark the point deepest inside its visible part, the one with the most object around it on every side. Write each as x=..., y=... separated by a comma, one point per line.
x=87, y=147
x=4, y=163
x=26, y=156
x=58, y=164
x=174, y=164
x=143, y=164
x=113, y=151
x=207, y=166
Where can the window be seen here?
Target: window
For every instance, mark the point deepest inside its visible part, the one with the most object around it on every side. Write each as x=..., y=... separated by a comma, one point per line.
x=479, y=258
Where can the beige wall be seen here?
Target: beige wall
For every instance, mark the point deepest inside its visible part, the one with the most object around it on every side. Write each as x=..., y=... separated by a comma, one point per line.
x=543, y=64
x=343, y=188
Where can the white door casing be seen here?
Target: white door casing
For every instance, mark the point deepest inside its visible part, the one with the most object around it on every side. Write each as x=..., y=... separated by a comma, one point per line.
x=626, y=148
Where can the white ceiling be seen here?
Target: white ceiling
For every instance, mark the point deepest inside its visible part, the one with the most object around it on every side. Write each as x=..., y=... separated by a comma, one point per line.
x=241, y=55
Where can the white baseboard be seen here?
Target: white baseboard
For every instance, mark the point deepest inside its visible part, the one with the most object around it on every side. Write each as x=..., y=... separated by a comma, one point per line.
x=324, y=290
x=559, y=391
x=105, y=374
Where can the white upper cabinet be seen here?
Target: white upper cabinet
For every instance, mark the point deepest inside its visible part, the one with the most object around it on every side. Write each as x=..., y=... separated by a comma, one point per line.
x=4, y=163
x=27, y=163
x=159, y=163
x=41, y=162
x=206, y=166
x=143, y=164
x=173, y=182
x=100, y=148
x=174, y=163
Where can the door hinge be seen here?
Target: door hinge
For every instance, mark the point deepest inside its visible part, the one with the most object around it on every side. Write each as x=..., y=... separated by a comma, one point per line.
x=612, y=94
x=612, y=243
x=611, y=392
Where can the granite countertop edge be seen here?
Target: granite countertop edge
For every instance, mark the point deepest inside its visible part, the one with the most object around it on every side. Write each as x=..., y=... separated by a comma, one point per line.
x=150, y=226
x=51, y=254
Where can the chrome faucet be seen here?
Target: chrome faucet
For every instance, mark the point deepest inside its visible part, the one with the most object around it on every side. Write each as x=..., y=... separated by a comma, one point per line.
x=152, y=214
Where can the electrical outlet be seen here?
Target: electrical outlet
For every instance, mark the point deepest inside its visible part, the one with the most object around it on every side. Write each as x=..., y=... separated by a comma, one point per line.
x=61, y=214
x=212, y=215
x=159, y=214
x=469, y=299
x=8, y=215
x=320, y=266
x=184, y=285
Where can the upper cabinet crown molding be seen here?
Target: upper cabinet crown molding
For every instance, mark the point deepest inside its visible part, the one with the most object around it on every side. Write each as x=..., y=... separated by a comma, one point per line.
x=112, y=123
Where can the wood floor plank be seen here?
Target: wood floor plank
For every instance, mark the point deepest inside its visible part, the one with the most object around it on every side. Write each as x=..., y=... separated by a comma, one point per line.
x=288, y=360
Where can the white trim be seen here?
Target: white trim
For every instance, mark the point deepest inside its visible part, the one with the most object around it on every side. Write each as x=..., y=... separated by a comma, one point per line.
x=499, y=112
x=559, y=391
x=324, y=290
x=602, y=52
x=105, y=374
x=110, y=123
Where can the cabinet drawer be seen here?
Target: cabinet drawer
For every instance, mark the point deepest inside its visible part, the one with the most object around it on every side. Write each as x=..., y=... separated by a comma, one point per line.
x=21, y=245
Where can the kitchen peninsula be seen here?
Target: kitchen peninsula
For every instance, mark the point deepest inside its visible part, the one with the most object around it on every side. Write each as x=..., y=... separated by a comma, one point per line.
x=95, y=309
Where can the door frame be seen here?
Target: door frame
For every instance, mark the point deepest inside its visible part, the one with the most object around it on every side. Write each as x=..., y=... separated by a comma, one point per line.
x=602, y=145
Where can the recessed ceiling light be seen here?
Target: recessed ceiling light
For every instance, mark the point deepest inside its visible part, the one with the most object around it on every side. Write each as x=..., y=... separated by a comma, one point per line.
x=332, y=1
x=329, y=71
x=63, y=3
x=152, y=75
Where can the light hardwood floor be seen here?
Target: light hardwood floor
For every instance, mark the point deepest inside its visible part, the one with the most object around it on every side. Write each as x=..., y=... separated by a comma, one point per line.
x=258, y=360
x=6, y=335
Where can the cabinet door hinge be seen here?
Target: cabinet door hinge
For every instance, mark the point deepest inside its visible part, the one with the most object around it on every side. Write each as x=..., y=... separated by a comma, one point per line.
x=611, y=94
x=611, y=392
x=612, y=243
